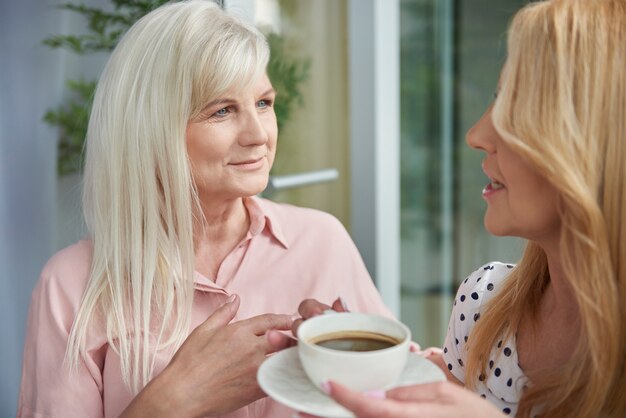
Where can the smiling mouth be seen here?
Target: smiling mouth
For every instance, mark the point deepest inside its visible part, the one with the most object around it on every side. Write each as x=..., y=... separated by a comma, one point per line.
x=247, y=162
x=492, y=187
x=249, y=165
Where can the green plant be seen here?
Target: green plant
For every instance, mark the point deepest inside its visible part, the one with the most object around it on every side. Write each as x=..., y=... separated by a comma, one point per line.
x=287, y=75
x=105, y=29
x=72, y=118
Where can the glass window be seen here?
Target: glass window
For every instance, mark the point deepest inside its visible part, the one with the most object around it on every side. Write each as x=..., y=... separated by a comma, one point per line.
x=451, y=53
x=314, y=136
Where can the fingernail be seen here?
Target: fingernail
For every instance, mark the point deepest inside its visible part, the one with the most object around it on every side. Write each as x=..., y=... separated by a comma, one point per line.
x=231, y=298
x=375, y=394
x=343, y=304
x=316, y=312
x=325, y=386
x=415, y=348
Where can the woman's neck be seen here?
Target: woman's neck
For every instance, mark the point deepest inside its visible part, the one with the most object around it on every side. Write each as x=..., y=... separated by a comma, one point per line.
x=224, y=225
x=226, y=220
x=547, y=340
x=559, y=298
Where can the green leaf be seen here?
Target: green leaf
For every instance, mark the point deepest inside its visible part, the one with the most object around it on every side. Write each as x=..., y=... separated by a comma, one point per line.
x=287, y=74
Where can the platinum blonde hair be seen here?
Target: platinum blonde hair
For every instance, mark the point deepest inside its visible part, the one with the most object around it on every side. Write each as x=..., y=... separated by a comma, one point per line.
x=140, y=201
x=562, y=106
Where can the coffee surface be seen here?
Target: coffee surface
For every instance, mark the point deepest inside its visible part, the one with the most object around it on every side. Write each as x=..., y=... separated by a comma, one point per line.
x=355, y=341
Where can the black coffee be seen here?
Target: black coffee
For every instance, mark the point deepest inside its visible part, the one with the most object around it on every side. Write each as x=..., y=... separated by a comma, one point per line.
x=355, y=341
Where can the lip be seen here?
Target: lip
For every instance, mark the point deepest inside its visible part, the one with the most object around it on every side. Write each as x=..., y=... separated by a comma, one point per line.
x=249, y=164
x=494, y=186
x=489, y=190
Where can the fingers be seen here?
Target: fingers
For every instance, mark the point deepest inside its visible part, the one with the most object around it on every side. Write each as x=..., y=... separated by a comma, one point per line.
x=307, y=309
x=223, y=315
x=295, y=325
x=432, y=352
x=261, y=324
x=310, y=307
x=279, y=340
x=425, y=392
x=340, y=305
x=437, y=359
x=361, y=405
x=415, y=348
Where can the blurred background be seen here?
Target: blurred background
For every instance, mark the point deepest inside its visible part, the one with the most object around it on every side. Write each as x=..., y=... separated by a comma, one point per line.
x=381, y=94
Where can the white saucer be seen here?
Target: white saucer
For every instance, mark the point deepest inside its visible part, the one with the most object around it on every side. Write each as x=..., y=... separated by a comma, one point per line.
x=282, y=377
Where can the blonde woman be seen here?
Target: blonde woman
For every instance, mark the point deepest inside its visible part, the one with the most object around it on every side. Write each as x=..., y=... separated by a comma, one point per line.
x=163, y=310
x=546, y=337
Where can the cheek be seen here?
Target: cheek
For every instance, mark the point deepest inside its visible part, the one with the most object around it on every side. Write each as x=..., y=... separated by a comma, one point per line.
x=191, y=143
x=537, y=205
x=271, y=128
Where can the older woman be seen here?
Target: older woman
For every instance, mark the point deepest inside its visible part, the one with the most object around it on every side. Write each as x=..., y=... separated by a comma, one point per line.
x=163, y=310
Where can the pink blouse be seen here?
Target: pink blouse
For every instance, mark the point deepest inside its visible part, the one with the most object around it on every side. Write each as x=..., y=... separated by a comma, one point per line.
x=288, y=255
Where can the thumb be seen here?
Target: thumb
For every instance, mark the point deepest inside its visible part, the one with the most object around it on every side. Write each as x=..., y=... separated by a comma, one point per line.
x=222, y=315
x=340, y=305
x=363, y=406
x=279, y=340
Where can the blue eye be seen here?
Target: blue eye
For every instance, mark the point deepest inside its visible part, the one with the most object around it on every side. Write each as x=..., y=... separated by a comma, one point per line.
x=263, y=103
x=222, y=112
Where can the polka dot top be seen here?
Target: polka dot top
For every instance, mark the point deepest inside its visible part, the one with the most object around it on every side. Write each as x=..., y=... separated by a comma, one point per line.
x=505, y=381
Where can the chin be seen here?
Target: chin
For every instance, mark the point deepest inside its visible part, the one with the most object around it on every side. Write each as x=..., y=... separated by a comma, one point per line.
x=495, y=228
x=256, y=188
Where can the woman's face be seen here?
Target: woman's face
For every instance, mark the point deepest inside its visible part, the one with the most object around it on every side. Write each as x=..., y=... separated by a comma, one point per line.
x=520, y=202
x=232, y=143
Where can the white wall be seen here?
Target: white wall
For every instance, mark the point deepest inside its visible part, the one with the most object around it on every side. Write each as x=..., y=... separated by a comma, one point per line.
x=374, y=48
x=31, y=81
x=29, y=84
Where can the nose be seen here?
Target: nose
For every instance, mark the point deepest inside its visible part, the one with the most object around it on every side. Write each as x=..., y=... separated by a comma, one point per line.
x=255, y=129
x=482, y=135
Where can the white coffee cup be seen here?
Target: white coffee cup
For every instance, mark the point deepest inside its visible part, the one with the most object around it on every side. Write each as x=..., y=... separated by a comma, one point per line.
x=358, y=370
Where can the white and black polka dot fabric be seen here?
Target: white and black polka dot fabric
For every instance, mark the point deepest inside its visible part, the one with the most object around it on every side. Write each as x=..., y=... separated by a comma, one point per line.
x=504, y=382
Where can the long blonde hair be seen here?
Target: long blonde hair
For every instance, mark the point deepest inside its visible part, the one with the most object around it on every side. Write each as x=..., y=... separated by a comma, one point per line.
x=562, y=105
x=140, y=201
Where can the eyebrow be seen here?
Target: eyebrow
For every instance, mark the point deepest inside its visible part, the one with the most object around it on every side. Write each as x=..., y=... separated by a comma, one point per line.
x=219, y=102
x=268, y=91
x=230, y=101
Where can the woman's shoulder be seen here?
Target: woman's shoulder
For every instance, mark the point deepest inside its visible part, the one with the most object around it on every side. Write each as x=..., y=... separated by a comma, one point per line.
x=486, y=278
x=74, y=258
x=67, y=271
x=481, y=285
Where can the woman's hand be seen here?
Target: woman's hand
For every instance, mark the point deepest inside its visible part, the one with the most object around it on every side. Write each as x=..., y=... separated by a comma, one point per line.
x=214, y=371
x=308, y=308
x=429, y=400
